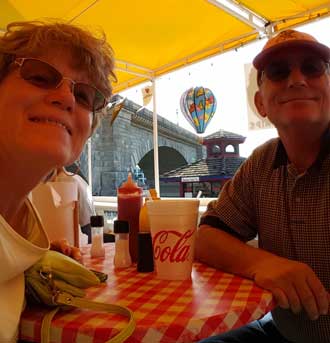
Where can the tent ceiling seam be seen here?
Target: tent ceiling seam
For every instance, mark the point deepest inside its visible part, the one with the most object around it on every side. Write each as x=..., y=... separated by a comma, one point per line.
x=149, y=76
x=128, y=84
x=136, y=66
x=251, y=16
x=83, y=11
x=312, y=12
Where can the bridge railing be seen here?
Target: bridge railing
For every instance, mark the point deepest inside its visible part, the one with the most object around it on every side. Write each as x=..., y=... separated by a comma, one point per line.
x=107, y=206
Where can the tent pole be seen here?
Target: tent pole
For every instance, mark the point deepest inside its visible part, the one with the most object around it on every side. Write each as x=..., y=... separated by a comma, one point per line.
x=155, y=137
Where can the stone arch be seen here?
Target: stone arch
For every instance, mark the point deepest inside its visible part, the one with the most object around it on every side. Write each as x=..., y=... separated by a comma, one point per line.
x=169, y=159
x=118, y=148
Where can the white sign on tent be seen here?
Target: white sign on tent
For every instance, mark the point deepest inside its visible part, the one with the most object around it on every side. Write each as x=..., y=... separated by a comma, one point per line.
x=255, y=121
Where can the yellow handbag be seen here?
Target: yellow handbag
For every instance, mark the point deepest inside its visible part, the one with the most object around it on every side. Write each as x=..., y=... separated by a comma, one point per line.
x=57, y=280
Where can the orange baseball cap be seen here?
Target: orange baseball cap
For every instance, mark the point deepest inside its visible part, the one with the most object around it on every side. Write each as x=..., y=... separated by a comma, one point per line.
x=286, y=39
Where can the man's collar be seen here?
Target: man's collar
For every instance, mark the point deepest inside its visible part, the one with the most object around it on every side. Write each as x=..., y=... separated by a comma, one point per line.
x=281, y=157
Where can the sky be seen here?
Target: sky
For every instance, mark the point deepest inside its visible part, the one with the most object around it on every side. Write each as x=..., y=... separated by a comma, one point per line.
x=224, y=75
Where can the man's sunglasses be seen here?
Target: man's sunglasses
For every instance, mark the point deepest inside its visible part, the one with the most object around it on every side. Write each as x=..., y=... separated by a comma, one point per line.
x=280, y=70
x=44, y=75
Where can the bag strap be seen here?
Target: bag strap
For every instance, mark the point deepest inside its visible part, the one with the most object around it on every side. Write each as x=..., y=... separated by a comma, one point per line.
x=63, y=298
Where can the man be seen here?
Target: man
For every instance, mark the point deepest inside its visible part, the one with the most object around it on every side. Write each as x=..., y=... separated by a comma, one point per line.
x=282, y=194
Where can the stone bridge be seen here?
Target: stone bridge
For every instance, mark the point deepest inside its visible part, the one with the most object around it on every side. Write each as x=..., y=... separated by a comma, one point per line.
x=119, y=148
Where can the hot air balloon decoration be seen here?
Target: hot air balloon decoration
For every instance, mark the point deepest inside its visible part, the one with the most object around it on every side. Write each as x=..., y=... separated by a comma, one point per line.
x=198, y=105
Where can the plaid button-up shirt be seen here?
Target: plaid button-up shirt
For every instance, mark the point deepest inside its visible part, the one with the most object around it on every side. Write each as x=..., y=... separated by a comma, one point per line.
x=290, y=213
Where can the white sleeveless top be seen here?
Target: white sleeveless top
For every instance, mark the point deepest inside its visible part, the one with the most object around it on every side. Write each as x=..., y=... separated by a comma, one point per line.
x=16, y=255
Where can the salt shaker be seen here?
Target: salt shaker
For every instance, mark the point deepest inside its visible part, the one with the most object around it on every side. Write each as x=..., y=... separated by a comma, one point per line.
x=122, y=257
x=97, y=248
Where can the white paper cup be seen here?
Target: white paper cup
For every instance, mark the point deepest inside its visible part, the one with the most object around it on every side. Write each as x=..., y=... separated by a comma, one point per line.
x=173, y=229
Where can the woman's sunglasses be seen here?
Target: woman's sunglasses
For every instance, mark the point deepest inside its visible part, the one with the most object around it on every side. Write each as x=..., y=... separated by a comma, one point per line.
x=280, y=70
x=44, y=75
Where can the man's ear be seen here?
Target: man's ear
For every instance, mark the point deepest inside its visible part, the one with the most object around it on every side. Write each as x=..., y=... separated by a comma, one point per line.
x=259, y=104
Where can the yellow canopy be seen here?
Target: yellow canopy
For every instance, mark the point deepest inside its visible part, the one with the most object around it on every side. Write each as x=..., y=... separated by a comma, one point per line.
x=153, y=37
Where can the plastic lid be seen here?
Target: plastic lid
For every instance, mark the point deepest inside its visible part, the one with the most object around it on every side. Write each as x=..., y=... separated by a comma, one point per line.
x=172, y=207
x=97, y=221
x=120, y=226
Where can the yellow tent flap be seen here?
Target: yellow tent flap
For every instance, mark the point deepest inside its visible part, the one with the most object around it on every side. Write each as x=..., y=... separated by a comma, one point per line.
x=153, y=37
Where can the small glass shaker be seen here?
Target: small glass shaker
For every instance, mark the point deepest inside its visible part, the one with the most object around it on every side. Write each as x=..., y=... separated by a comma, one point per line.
x=97, y=248
x=122, y=258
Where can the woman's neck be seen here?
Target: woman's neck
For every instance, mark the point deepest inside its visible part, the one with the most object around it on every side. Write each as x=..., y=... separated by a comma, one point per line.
x=14, y=190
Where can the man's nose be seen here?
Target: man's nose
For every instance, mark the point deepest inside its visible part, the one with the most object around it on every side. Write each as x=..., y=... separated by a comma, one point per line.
x=296, y=77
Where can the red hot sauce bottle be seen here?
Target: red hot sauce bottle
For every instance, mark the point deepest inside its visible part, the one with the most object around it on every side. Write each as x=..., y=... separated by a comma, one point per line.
x=129, y=197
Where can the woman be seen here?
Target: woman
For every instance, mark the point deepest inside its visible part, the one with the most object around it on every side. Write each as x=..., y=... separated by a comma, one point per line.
x=54, y=78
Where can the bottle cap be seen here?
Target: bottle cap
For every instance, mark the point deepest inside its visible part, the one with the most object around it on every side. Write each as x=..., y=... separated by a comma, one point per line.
x=120, y=226
x=97, y=221
x=129, y=186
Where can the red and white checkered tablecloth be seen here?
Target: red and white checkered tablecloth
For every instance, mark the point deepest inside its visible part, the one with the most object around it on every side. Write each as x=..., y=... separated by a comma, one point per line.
x=165, y=311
